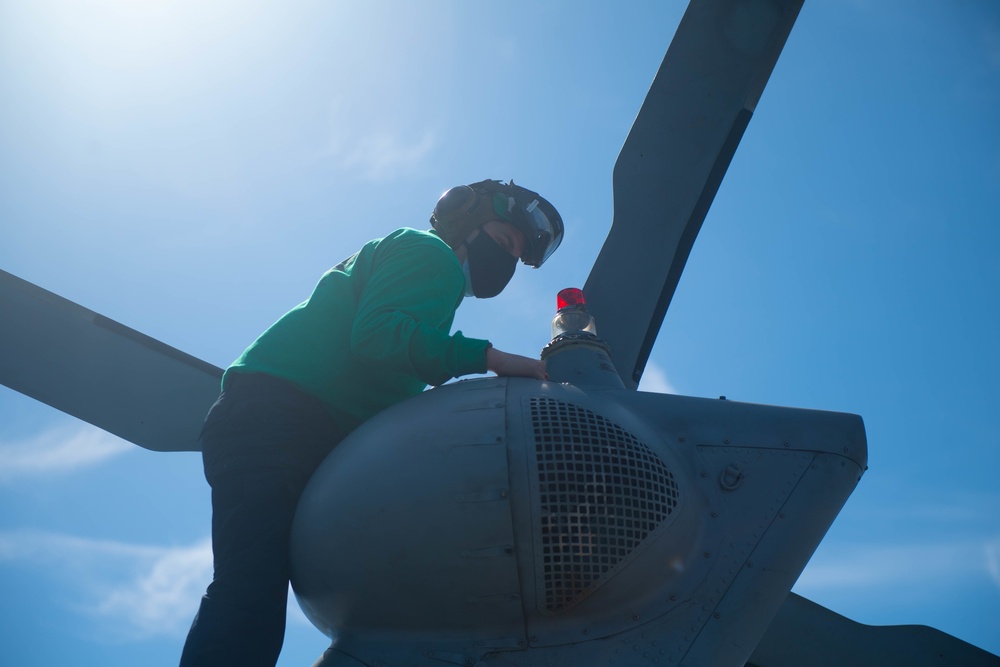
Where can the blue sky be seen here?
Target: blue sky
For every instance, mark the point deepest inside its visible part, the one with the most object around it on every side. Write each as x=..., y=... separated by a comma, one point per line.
x=190, y=168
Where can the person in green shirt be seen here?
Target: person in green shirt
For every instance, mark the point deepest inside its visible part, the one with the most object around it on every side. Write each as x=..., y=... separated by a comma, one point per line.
x=375, y=331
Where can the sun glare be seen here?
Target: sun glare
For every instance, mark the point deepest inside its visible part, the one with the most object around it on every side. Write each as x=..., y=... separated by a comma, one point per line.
x=97, y=49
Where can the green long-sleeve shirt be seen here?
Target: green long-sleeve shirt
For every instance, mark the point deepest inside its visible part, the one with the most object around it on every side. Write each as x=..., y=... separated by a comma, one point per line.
x=375, y=329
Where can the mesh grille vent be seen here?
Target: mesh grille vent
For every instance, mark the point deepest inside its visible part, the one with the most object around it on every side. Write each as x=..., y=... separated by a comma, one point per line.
x=601, y=491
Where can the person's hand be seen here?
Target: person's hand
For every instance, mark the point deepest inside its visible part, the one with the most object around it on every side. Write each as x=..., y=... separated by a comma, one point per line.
x=504, y=363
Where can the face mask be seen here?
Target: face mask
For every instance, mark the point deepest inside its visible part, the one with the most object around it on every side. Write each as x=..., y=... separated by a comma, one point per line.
x=488, y=267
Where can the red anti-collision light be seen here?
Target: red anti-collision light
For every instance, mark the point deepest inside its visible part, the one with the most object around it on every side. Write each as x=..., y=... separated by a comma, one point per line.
x=571, y=296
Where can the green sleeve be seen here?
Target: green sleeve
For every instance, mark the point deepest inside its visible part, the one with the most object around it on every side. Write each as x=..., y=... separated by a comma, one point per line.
x=405, y=312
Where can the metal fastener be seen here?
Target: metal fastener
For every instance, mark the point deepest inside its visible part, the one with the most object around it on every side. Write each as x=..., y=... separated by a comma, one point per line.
x=731, y=477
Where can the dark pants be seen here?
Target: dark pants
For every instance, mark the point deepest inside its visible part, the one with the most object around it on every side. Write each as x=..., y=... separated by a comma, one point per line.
x=261, y=442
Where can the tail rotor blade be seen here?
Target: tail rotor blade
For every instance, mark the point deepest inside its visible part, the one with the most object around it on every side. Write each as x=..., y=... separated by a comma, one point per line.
x=673, y=161
x=101, y=371
x=805, y=633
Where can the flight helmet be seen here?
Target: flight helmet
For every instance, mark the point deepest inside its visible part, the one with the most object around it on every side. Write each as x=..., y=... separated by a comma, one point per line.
x=465, y=208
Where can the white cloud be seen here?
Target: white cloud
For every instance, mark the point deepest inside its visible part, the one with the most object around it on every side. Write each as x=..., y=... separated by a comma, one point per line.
x=379, y=154
x=654, y=379
x=162, y=600
x=38, y=546
x=960, y=507
x=871, y=566
x=991, y=37
x=133, y=591
x=58, y=450
x=991, y=552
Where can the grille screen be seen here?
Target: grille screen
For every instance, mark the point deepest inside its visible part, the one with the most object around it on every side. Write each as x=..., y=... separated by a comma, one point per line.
x=601, y=491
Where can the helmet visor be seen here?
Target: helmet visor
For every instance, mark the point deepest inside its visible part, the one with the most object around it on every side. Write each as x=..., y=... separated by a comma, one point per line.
x=537, y=219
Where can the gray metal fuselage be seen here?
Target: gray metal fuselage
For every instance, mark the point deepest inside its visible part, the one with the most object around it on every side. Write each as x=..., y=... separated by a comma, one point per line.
x=510, y=521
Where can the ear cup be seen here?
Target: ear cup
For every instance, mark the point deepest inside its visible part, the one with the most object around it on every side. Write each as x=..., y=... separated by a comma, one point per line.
x=454, y=205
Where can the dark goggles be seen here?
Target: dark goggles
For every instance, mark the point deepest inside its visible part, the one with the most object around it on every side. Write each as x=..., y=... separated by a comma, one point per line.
x=537, y=219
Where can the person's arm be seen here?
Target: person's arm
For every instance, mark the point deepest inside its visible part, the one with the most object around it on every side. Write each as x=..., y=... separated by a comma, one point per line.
x=405, y=311
x=505, y=363
x=404, y=314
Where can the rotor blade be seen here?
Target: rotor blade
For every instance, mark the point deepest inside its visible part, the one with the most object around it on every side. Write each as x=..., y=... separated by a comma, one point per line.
x=101, y=371
x=673, y=160
x=805, y=633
